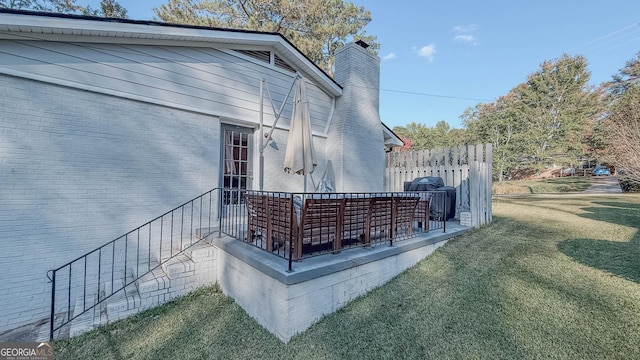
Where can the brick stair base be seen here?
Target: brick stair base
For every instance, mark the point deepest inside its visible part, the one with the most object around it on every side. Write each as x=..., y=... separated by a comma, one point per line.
x=176, y=277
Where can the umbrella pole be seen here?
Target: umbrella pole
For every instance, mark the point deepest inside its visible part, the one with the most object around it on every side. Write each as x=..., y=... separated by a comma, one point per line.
x=277, y=115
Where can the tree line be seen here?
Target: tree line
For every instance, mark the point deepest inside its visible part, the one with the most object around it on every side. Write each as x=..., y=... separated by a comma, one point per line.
x=108, y=8
x=555, y=117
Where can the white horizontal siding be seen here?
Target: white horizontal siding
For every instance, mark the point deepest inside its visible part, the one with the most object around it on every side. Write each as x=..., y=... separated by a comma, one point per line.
x=203, y=80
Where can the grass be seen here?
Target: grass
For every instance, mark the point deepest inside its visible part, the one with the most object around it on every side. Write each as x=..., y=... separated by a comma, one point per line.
x=552, y=277
x=543, y=186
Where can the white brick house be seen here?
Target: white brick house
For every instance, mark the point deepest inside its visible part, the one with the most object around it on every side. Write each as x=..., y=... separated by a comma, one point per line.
x=106, y=124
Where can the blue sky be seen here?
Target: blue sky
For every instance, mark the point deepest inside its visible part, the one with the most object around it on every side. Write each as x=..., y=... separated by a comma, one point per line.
x=441, y=57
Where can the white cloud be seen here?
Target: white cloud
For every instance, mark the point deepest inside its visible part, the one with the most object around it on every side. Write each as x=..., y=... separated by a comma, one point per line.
x=463, y=33
x=389, y=56
x=464, y=29
x=428, y=51
x=465, y=38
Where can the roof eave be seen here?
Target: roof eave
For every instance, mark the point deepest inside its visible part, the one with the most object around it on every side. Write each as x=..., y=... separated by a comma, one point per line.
x=95, y=28
x=390, y=137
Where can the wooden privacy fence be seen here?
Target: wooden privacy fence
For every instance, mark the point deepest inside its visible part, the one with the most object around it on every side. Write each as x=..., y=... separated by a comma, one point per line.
x=467, y=168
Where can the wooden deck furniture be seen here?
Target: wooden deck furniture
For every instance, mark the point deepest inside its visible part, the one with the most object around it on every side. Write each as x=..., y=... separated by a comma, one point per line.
x=257, y=216
x=283, y=221
x=423, y=209
x=403, y=214
x=320, y=225
x=380, y=210
x=326, y=223
x=271, y=216
x=355, y=218
x=389, y=214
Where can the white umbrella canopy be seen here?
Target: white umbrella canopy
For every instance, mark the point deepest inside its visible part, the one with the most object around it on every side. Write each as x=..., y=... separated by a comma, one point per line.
x=300, y=156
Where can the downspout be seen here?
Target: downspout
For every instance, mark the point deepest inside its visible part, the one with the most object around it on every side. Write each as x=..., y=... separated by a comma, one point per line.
x=261, y=181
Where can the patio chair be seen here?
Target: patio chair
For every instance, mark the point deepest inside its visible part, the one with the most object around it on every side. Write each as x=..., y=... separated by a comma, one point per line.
x=421, y=215
x=282, y=221
x=271, y=220
x=355, y=218
x=403, y=214
x=379, y=219
x=257, y=219
x=320, y=225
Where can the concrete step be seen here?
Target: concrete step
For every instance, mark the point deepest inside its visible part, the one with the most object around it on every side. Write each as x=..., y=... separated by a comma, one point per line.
x=179, y=266
x=186, y=246
x=160, y=283
x=197, y=249
x=153, y=281
x=177, y=248
x=201, y=251
x=88, y=320
x=205, y=232
x=137, y=271
x=179, y=270
x=123, y=301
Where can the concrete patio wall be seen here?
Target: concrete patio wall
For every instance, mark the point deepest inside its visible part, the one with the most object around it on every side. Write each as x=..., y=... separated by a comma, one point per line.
x=287, y=303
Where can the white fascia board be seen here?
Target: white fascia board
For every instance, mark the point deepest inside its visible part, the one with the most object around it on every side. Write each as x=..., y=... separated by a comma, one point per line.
x=42, y=27
x=287, y=51
x=390, y=138
x=87, y=27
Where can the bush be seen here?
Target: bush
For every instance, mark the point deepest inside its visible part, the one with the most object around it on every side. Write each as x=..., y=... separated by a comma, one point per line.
x=629, y=184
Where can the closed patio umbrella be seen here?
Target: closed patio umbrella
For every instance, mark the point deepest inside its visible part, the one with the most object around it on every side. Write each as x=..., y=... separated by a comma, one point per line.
x=300, y=156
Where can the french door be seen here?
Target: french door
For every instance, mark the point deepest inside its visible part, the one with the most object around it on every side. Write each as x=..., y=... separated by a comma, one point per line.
x=236, y=164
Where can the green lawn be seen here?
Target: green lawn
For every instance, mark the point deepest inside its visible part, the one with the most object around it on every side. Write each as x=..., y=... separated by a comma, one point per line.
x=543, y=186
x=554, y=276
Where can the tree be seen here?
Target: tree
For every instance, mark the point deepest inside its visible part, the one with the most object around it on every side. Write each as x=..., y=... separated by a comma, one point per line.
x=16, y=4
x=551, y=118
x=499, y=124
x=316, y=27
x=108, y=8
x=60, y=6
x=623, y=121
x=426, y=138
x=623, y=124
x=558, y=107
x=416, y=133
x=408, y=144
x=628, y=77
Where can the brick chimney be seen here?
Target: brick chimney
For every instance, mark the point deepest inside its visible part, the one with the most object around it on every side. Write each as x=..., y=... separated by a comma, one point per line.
x=355, y=139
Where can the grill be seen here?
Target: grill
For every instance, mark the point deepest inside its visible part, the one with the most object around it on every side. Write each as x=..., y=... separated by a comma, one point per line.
x=446, y=194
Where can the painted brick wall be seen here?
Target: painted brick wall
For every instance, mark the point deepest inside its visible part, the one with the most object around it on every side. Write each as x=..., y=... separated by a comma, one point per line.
x=261, y=296
x=78, y=169
x=286, y=310
x=355, y=141
x=275, y=177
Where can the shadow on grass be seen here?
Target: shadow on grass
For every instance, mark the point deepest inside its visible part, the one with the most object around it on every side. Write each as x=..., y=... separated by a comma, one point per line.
x=617, y=258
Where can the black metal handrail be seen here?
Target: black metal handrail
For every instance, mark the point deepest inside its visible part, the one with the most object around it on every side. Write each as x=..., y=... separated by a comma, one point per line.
x=98, y=275
x=236, y=222
x=101, y=273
